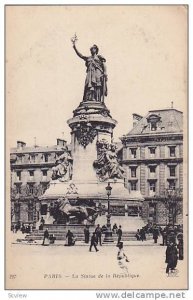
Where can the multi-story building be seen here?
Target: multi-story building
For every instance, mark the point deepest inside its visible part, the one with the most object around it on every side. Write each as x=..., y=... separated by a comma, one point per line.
x=152, y=156
x=31, y=171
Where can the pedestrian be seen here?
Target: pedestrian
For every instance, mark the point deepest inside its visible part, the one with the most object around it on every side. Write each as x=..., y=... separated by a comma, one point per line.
x=86, y=234
x=164, y=236
x=180, y=249
x=142, y=234
x=155, y=234
x=70, y=240
x=138, y=237
x=12, y=228
x=52, y=238
x=28, y=229
x=180, y=246
x=93, y=242
x=23, y=228
x=98, y=232
x=115, y=228
x=171, y=257
x=42, y=222
x=119, y=234
x=46, y=238
x=122, y=258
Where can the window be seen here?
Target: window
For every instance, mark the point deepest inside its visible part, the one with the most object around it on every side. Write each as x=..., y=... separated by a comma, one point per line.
x=152, y=151
x=133, y=210
x=30, y=212
x=17, y=211
x=172, y=184
x=32, y=158
x=172, y=171
x=172, y=151
x=133, y=152
x=18, y=174
x=133, y=171
x=31, y=174
x=152, y=171
x=154, y=121
x=44, y=172
x=18, y=188
x=46, y=157
x=152, y=187
x=133, y=186
x=31, y=188
x=19, y=159
x=153, y=126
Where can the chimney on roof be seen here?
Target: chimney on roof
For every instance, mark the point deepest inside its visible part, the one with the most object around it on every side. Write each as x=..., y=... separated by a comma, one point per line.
x=61, y=142
x=20, y=145
x=136, y=119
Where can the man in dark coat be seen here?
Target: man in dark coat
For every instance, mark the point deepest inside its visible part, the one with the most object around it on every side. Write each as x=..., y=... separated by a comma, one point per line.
x=98, y=232
x=86, y=234
x=171, y=257
x=70, y=238
x=155, y=234
x=142, y=234
x=119, y=234
x=180, y=246
x=164, y=236
x=46, y=235
x=93, y=242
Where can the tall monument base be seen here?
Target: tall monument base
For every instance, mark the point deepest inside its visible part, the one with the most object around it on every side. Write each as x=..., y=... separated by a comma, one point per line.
x=82, y=176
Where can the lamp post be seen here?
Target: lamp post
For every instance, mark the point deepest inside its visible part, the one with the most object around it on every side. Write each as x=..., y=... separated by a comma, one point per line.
x=108, y=233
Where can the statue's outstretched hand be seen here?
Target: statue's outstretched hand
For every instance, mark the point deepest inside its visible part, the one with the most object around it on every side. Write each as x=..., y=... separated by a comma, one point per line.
x=74, y=40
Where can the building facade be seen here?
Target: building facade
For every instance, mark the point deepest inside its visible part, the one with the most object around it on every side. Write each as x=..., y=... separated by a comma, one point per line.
x=152, y=156
x=31, y=171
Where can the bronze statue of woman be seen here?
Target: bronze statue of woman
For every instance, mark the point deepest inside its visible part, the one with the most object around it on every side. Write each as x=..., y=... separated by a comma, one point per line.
x=95, y=88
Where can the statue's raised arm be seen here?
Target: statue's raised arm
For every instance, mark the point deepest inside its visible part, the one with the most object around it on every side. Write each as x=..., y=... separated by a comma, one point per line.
x=95, y=84
x=73, y=40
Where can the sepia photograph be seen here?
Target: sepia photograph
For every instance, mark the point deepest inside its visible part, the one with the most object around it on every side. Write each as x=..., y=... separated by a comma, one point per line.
x=96, y=147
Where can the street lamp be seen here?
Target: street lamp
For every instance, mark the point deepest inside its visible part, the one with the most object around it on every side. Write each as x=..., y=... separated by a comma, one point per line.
x=172, y=206
x=108, y=233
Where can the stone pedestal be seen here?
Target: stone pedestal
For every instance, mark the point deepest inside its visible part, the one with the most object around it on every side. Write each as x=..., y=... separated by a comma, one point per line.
x=108, y=234
x=90, y=124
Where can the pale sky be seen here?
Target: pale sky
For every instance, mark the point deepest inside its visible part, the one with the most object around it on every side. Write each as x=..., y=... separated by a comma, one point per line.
x=145, y=50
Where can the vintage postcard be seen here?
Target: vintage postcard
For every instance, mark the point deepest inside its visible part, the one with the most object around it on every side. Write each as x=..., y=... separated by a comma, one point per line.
x=96, y=147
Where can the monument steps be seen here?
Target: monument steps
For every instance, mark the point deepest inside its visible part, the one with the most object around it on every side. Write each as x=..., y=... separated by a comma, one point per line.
x=79, y=235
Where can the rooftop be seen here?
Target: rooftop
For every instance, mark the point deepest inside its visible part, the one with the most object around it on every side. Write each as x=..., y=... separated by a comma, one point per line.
x=159, y=121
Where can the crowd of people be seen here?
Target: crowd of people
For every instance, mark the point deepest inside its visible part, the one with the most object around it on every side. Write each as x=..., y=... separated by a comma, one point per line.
x=154, y=230
x=24, y=228
x=172, y=238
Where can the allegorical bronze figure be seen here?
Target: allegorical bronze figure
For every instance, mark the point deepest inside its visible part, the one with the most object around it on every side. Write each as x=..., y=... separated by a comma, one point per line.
x=95, y=84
